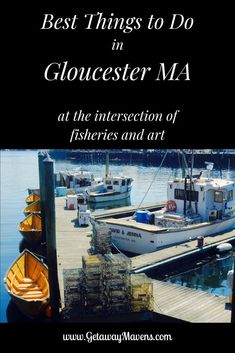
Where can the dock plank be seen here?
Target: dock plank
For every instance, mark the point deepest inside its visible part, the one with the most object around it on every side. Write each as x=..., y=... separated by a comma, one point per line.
x=72, y=241
x=193, y=306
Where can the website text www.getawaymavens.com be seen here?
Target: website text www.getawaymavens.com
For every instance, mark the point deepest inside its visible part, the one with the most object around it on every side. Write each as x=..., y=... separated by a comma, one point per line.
x=90, y=337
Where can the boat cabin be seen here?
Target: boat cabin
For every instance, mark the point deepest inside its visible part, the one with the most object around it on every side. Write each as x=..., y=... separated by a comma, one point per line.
x=75, y=179
x=209, y=198
x=117, y=184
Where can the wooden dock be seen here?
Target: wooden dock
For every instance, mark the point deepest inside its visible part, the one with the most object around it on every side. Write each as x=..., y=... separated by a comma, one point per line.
x=147, y=261
x=72, y=241
x=189, y=304
x=126, y=211
x=169, y=299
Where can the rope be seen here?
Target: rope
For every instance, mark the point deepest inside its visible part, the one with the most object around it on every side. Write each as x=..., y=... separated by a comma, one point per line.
x=178, y=153
x=152, y=180
x=185, y=162
x=117, y=248
x=39, y=255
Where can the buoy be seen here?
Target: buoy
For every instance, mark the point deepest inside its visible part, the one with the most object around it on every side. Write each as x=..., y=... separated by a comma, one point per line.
x=230, y=278
x=230, y=275
x=171, y=206
x=48, y=312
x=223, y=247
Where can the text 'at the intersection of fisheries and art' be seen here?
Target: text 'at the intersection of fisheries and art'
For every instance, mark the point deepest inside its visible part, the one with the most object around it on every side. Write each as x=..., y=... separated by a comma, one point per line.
x=139, y=118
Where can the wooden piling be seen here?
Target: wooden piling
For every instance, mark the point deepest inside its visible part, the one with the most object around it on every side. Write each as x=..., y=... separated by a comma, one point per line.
x=233, y=296
x=41, y=156
x=50, y=231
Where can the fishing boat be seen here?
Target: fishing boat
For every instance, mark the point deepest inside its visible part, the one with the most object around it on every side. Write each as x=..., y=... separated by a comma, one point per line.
x=34, y=207
x=196, y=206
x=27, y=283
x=31, y=228
x=114, y=188
x=77, y=179
x=32, y=198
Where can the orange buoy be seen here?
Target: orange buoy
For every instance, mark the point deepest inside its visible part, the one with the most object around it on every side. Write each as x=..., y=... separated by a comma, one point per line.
x=171, y=205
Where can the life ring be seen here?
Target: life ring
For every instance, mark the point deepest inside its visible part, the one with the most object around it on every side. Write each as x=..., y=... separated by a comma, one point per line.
x=171, y=205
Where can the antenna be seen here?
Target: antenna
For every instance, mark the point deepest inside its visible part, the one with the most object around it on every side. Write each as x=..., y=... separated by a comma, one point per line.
x=192, y=163
x=228, y=171
x=107, y=165
x=209, y=167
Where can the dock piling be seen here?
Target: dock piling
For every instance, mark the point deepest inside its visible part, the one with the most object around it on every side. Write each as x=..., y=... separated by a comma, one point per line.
x=50, y=232
x=233, y=296
x=41, y=156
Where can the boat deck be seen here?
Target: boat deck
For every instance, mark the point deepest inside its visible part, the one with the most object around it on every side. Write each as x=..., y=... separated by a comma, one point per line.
x=136, y=225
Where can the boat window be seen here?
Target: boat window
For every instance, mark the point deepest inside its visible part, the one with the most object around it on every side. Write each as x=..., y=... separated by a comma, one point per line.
x=230, y=195
x=128, y=181
x=179, y=194
x=194, y=195
x=190, y=196
x=218, y=196
x=115, y=182
x=108, y=182
x=123, y=182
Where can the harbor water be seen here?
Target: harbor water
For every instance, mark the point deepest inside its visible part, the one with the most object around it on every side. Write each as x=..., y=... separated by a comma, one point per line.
x=19, y=171
x=208, y=276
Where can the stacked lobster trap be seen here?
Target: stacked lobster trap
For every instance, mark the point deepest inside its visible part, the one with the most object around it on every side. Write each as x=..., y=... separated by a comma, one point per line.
x=117, y=283
x=92, y=284
x=105, y=284
x=101, y=241
x=73, y=298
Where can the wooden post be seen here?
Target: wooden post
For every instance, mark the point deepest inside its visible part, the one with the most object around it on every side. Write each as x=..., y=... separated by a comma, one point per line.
x=233, y=296
x=49, y=197
x=41, y=156
x=107, y=164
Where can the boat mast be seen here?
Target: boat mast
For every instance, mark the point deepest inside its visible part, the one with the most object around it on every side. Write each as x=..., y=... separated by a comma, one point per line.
x=192, y=163
x=228, y=172
x=184, y=164
x=107, y=164
x=185, y=194
x=190, y=180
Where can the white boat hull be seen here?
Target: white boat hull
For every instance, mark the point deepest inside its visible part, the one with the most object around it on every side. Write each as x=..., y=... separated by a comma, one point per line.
x=140, y=241
x=108, y=196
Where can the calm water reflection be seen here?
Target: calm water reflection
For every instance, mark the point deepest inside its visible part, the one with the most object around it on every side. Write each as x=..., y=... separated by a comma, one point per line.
x=210, y=277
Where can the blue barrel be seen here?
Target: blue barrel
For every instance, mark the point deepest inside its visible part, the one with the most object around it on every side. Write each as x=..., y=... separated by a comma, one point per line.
x=61, y=191
x=142, y=216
